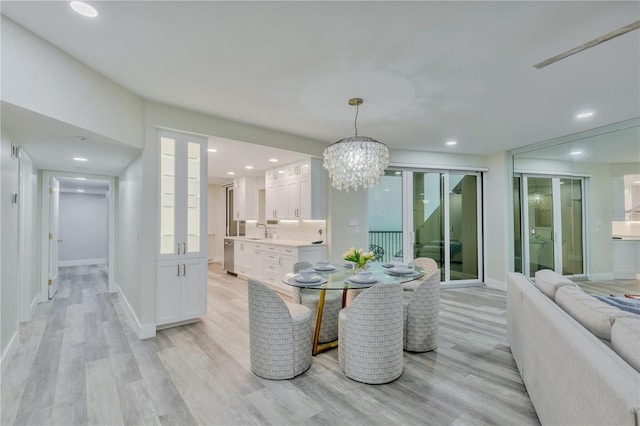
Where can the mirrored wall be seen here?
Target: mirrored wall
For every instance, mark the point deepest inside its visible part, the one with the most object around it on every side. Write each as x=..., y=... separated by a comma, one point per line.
x=576, y=205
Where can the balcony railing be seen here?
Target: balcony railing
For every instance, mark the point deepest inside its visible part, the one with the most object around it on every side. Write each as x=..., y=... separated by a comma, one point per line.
x=389, y=241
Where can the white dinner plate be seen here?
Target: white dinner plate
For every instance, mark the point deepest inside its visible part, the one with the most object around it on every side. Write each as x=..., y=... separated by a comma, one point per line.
x=396, y=271
x=362, y=280
x=325, y=268
x=387, y=265
x=308, y=280
x=370, y=281
x=295, y=282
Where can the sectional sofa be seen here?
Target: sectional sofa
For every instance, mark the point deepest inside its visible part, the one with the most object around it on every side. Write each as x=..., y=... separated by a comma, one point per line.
x=579, y=357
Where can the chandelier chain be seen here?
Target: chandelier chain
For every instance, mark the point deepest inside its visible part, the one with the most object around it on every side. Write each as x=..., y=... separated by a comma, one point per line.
x=355, y=121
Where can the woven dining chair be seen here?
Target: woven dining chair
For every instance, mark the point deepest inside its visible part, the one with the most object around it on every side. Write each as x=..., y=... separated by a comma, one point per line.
x=370, y=335
x=310, y=298
x=280, y=338
x=429, y=265
x=421, y=312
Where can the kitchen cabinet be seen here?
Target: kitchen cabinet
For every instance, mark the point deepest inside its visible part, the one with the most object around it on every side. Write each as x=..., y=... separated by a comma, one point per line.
x=181, y=280
x=180, y=294
x=297, y=191
x=245, y=198
x=269, y=262
x=248, y=258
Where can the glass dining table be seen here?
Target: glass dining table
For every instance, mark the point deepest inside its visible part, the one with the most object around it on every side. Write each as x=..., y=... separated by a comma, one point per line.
x=340, y=278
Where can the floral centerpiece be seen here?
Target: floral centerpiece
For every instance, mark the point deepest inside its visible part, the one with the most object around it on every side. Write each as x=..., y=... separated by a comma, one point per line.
x=358, y=257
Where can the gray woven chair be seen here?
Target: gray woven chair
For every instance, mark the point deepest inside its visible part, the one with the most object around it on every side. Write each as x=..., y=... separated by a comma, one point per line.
x=429, y=265
x=279, y=334
x=421, y=311
x=370, y=335
x=310, y=298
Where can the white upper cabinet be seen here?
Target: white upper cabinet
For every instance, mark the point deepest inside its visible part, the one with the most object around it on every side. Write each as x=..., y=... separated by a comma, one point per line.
x=297, y=191
x=183, y=189
x=245, y=198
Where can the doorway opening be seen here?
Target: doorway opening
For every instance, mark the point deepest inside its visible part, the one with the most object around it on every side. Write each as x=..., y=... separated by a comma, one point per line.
x=78, y=226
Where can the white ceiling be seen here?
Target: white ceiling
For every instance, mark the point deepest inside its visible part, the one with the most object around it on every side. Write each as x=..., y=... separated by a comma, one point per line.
x=85, y=186
x=428, y=71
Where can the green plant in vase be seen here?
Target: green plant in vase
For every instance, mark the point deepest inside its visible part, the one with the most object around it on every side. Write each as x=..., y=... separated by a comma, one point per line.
x=358, y=257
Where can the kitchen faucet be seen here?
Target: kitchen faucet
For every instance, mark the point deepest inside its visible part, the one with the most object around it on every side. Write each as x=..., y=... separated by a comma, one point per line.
x=265, y=229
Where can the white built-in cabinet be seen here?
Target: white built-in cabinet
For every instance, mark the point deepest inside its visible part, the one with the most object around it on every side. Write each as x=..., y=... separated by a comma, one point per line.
x=296, y=191
x=269, y=262
x=245, y=198
x=181, y=285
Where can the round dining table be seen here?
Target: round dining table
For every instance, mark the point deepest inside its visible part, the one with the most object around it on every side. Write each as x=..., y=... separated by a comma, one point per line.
x=340, y=277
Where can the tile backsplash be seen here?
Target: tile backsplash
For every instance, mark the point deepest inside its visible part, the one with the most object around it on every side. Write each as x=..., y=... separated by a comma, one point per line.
x=304, y=230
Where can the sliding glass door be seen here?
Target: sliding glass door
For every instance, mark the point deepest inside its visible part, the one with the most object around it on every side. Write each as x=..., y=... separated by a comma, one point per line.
x=446, y=221
x=553, y=224
x=433, y=214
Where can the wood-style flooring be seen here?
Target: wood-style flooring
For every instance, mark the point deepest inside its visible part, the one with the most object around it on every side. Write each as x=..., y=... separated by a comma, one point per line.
x=79, y=362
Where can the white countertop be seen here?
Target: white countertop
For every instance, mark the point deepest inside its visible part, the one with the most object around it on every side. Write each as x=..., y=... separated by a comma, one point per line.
x=278, y=242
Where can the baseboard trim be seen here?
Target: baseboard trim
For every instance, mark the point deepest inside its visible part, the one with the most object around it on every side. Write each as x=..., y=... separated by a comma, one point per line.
x=603, y=276
x=83, y=262
x=33, y=306
x=8, y=353
x=498, y=285
x=143, y=331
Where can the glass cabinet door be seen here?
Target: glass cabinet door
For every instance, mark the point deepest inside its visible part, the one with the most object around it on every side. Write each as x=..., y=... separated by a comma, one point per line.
x=183, y=165
x=167, y=195
x=193, y=197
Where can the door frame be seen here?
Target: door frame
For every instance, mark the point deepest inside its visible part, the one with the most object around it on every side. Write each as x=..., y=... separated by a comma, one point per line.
x=44, y=227
x=557, y=221
x=407, y=220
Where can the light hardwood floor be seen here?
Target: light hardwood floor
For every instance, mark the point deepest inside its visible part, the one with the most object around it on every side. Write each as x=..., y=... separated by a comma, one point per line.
x=79, y=362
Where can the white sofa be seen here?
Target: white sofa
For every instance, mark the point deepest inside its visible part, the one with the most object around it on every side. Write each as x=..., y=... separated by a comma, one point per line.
x=572, y=376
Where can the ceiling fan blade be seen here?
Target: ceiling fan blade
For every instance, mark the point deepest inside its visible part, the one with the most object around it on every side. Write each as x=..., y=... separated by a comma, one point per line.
x=596, y=41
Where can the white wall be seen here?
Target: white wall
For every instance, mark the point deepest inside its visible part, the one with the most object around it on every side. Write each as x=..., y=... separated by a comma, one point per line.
x=9, y=271
x=39, y=77
x=216, y=220
x=347, y=224
x=444, y=160
x=83, y=222
x=28, y=233
x=496, y=220
x=129, y=269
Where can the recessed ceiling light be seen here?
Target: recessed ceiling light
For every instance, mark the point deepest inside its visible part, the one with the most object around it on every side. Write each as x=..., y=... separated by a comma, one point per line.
x=576, y=152
x=212, y=150
x=84, y=9
x=273, y=160
x=79, y=190
x=80, y=159
x=81, y=178
x=585, y=114
x=248, y=167
x=386, y=190
x=280, y=171
x=636, y=182
x=451, y=143
x=231, y=173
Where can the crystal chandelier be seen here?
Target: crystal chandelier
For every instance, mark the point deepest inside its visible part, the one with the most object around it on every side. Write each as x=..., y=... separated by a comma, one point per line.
x=356, y=160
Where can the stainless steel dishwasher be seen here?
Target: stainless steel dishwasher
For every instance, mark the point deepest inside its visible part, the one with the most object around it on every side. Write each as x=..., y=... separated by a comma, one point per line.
x=228, y=255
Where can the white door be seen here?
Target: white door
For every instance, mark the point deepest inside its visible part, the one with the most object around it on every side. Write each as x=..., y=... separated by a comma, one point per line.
x=54, y=205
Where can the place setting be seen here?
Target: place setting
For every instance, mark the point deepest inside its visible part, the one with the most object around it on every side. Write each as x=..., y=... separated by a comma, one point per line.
x=401, y=269
x=324, y=266
x=393, y=262
x=362, y=277
x=307, y=277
